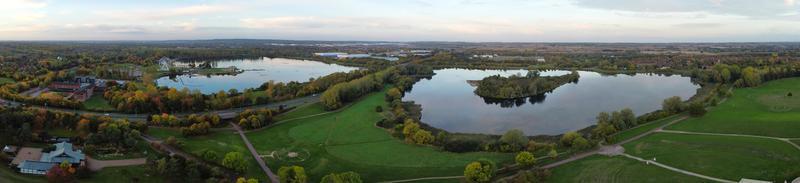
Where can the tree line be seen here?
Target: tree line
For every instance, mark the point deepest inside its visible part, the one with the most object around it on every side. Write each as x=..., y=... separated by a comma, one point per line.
x=514, y=86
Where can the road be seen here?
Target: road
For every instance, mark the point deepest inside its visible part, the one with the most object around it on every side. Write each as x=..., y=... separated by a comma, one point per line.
x=261, y=163
x=224, y=114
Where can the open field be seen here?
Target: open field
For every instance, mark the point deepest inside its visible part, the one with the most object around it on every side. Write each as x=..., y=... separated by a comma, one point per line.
x=764, y=110
x=97, y=103
x=630, y=133
x=348, y=140
x=300, y=111
x=598, y=168
x=723, y=157
x=6, y=81
x=124, y=174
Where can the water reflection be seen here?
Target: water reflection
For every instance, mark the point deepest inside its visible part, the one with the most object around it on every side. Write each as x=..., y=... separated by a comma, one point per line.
x=448, y=101
x=257, y=72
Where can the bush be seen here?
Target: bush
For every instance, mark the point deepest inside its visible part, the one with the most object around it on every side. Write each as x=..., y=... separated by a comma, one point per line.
x=378, y=109
x=462, y=145
x=697, y=109
x=525, y=159
x=479, y=171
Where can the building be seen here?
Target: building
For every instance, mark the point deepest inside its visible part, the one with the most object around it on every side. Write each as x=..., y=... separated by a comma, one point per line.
x=29, y=163
x=81, y=88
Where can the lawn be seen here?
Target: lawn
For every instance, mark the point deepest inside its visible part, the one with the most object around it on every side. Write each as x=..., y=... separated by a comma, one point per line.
x=124, y=174
x=633, y=132
x=723, y=157
x=301, y=111
x=97, y=103
x=6, y=81
x=348, y=140
x=598, y=168
x=765, y=110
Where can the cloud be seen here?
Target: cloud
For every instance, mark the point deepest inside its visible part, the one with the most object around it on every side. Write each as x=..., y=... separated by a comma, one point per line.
x=22, y=4
x=166, y=13
x=698, y=25
x=747, y=8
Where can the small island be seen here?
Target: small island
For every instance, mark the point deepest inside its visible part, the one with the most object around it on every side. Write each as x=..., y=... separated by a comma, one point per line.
x=515, y=86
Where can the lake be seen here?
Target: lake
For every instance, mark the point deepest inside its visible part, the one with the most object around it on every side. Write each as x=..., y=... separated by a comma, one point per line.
x=448, y=101
x=257, y=72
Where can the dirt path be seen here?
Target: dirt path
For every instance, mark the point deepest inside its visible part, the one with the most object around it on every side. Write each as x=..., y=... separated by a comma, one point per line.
x=610, y=149
x=96, y=165
x=678, y=170
x=787, y=140
x=261, y=163
x=426, y=178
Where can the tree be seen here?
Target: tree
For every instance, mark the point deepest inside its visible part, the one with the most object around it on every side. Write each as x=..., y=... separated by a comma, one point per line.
x=525, y=159
x=751, y=77
x=346, y=177
x=580, y=143
x=243, y=180
x=697, y=109
x=479, y=171
x=61, y=173
x=672, y=105
x=209, y=155
x=514, y=137
x=568, y=138
x=393, y=94
x=292, y=174
x=235, y=161
x=628, y=117
x=423, y=137
x=410, y=128
x=603, y=117
x=553, y=153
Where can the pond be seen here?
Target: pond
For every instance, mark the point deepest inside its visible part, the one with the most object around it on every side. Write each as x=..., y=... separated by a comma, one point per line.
x=257, y=72
x=448, y=101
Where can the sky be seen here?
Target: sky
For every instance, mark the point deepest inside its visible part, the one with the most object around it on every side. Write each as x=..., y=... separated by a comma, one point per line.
x=405, y=20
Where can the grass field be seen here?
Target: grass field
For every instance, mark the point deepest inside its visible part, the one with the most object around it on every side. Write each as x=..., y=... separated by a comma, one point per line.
x=221, y=142
x=764, y=110
x=6, y=81
x=630, y=133
x=600, y=168
x=97, y=103
x=124, y=174
x=300, y=111
x=723, y=157
x=348, y=140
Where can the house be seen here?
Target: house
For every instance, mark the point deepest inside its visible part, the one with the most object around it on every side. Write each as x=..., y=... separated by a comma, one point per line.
x=64, y=152
x=33, y=161
x=11, y=150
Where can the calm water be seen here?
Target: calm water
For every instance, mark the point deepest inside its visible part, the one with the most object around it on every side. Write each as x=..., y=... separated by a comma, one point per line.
x=448, y=101
x=258, y=71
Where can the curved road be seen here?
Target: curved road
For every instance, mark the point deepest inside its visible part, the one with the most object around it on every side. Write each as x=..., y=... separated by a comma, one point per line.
x=224, y=114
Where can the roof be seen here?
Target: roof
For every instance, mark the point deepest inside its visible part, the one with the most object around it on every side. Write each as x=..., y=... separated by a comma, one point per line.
x=27, y=153
x=63, y=152
x=35, y=165
x=10, y=149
